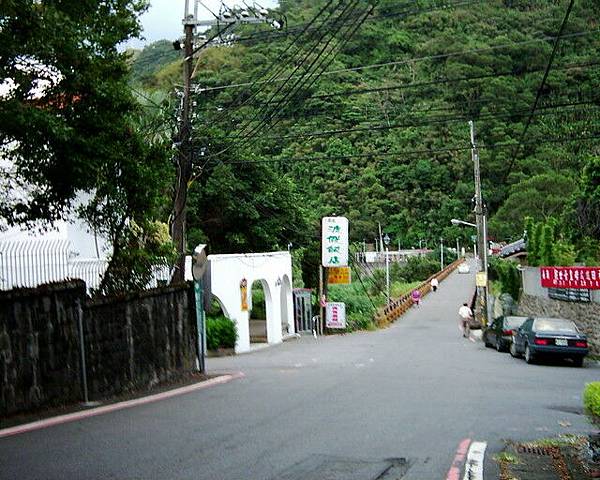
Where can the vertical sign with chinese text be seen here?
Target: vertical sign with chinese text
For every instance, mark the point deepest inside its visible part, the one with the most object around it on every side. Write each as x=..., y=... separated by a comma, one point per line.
x=335, y=315
x=334, y=242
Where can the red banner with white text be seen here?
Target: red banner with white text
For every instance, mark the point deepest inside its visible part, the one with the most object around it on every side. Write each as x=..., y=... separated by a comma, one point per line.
x=571, y=277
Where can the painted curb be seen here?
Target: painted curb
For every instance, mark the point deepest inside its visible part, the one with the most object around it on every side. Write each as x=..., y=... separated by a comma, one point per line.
x=93, y=412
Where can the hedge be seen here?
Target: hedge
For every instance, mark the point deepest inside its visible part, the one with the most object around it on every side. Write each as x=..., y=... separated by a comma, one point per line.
x=591, y=399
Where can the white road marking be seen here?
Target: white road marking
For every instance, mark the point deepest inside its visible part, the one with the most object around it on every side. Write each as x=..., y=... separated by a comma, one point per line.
x=475, y=458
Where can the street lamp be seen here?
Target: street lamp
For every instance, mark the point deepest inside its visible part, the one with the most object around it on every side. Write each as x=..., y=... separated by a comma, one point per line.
x=455, y=221
x=386, y=240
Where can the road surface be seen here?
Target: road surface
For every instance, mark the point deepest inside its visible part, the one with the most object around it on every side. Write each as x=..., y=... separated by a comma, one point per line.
x=336, y=406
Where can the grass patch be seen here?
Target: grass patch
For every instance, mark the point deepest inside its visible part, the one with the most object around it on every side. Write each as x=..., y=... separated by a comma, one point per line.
x=563, y=440
x=507, y=457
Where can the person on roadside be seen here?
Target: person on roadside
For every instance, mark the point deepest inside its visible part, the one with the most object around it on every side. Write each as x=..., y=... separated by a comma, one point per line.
x=416, y=296
x=434, y=284
x=465, y=314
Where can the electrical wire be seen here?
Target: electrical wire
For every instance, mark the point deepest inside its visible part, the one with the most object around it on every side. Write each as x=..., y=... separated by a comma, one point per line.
x=541, y=86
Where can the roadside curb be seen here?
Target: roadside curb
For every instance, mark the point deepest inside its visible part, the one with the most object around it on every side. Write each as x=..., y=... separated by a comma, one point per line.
x=93, y=412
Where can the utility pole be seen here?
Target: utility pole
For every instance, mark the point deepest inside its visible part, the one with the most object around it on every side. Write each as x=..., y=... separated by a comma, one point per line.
x=457, y=249
x=480, y=217
x=228, y=17
x=184, y=155
x=441, y=254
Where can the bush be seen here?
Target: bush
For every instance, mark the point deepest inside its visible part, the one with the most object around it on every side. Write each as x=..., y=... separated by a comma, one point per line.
x=591, y=399
x=416, y=269
x=508, y=276
x=220, y=333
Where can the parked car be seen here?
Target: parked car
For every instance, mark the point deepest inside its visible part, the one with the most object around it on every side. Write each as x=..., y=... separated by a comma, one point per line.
x=549, y=337
x=500, y=333
x=464, y=268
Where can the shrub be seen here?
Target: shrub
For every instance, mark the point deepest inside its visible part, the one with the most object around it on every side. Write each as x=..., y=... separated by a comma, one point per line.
x=591, y=399
x=220, y=333
x=508, y=276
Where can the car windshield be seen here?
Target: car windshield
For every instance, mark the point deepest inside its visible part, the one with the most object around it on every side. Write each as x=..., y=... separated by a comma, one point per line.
x=554, y=325
x=514, y=322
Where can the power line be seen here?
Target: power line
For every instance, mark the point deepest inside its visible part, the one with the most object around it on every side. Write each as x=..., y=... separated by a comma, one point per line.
x=268, y=116
x=418, y=59
x=541, y=86
x=428, y=151
x=424, y=122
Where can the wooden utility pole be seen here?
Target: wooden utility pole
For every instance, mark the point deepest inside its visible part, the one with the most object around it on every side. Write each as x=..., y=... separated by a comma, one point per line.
x=481, y=220
x=184, y=155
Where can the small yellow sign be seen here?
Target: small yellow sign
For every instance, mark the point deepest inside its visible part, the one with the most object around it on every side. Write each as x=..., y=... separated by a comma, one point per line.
x=481, y=279
x=244, y=294
x=339, y=276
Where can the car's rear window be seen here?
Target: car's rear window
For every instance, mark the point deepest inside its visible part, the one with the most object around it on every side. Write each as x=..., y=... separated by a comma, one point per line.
x=514, y=322
x=554, y=325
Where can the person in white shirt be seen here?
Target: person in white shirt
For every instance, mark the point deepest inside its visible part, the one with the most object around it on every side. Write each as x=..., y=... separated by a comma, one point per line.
x=465, y=315
x=434, y=284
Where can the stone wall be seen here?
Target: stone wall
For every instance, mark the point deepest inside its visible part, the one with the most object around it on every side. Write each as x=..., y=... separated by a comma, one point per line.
x=130, y=342
x=585, y=315
x=139, y=340
x=39, y=346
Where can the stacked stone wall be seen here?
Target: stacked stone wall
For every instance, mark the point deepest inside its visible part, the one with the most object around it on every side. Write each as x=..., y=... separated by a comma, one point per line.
x=131, y=342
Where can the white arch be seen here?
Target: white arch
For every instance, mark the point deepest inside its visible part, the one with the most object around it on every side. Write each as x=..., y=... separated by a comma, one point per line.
x=274, y=271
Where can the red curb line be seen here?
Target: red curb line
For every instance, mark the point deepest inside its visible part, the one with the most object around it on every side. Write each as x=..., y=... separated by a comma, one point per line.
x=72, y=417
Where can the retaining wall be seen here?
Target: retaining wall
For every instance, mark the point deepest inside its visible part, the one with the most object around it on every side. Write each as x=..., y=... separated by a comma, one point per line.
x=131, y=342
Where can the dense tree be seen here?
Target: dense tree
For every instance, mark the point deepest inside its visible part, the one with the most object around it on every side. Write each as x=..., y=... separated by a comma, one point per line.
x=389, y=144
x=64, y=113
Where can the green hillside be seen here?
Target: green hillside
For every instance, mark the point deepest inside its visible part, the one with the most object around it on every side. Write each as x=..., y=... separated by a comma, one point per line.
x=369, y=119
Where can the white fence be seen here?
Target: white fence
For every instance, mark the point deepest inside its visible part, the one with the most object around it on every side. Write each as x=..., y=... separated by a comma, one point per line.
x=31, y=263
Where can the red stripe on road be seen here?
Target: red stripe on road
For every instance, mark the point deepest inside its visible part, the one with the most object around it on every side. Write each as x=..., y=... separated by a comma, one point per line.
x=459, y=459
x=72, y=417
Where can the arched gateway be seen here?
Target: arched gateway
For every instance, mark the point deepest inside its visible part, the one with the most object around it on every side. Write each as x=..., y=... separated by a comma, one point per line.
x=231, y=280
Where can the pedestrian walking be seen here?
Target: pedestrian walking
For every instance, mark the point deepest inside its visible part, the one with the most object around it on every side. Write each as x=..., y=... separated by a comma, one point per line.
x=465, y=314
x=416, y=296
x=434, y=284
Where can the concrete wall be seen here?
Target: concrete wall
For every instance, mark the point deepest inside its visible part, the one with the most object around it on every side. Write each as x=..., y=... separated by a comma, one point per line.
x=131, y=342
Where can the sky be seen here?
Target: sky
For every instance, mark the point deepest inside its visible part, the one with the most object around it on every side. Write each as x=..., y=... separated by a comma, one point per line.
x=163, y=18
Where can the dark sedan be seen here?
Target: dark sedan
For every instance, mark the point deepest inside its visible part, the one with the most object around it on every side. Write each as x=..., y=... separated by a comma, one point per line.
x=549, y=337
x=500, y=333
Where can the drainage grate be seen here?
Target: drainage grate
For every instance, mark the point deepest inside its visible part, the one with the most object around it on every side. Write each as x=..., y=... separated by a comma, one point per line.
x=536, y=450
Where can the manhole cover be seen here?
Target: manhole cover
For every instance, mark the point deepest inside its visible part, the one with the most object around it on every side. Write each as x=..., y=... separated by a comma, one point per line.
x=325, y=467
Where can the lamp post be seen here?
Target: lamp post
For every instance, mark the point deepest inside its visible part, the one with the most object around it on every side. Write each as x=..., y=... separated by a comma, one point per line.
x=441, y=254
x=386, y=240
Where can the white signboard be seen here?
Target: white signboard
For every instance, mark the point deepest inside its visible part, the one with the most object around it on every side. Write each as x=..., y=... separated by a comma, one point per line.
x=334, y=242
x=335, y=315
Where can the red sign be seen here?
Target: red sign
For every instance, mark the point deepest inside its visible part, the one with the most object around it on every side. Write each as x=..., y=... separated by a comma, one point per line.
x=571, y=277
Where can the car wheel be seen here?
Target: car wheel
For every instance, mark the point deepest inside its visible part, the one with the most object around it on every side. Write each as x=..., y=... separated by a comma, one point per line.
x=513, y=350
x=578, y=362
x=529, y=358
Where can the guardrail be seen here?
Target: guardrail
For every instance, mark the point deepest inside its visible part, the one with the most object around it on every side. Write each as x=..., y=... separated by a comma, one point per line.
x=395, y=309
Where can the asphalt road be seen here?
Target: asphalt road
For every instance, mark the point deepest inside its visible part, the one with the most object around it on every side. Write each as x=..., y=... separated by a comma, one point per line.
x=345, y=403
